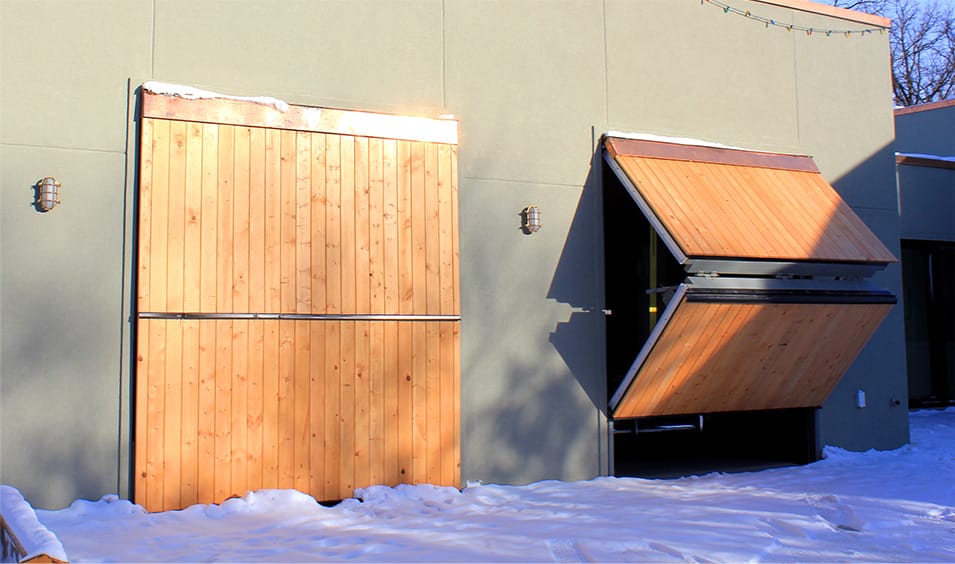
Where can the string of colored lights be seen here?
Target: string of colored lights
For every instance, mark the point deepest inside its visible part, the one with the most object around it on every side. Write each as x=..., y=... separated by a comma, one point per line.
x=810, y=31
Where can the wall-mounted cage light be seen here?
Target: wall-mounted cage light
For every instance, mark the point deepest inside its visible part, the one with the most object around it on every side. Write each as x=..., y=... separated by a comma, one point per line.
x=47, y=194
x=531, y=219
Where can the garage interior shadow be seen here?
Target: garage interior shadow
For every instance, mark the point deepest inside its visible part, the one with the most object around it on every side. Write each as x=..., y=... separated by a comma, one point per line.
x=668, y=447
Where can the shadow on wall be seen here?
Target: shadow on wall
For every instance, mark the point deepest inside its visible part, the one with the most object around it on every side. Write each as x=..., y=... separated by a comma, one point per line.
x=51, y=456
x=527, y=413
x=532, y=433
x=578, y=282
x=880, y=370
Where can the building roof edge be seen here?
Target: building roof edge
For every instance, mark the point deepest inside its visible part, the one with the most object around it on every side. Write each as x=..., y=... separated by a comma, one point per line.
x=827, y=10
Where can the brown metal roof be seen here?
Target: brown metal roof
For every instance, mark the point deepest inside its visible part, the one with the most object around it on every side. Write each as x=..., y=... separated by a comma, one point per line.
x=745, y=205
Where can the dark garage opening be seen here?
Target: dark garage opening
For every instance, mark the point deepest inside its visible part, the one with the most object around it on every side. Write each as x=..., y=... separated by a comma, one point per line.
x=672, y=447
x=928, y=282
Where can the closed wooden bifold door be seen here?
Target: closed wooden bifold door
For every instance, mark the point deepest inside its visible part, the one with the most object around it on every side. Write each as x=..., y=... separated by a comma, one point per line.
x=298, y=313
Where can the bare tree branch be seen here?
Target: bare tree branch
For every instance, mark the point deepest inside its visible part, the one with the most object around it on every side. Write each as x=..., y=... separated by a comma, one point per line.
x=922, y=44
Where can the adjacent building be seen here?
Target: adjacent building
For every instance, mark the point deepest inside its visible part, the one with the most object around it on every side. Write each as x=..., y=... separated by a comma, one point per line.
x=925, y=157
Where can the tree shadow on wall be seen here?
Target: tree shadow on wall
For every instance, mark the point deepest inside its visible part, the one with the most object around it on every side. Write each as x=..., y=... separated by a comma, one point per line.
x=578, y=282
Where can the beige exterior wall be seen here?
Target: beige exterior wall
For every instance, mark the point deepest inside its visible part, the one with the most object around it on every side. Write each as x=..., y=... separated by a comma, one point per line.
x=533, y=84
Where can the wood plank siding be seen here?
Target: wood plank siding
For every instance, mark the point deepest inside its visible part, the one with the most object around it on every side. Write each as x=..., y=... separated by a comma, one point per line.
x=745, y=205
x=257, y=224
x=724, y=357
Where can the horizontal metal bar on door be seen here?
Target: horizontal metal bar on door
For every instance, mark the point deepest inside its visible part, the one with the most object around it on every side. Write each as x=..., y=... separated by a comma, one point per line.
x=299, y=316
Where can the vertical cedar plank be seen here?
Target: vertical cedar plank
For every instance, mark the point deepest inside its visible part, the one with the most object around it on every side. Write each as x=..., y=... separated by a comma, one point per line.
x=303, y=304
x=208, y=284
x=404, y=217
x=156, y=401
x=159, y=217
x=208, y=218
x=176, y=194
x=446, y=231
x=143, y=360
x=273, y=235
x=376, y=403
x=223, y=411
x=376, y=400
x=390, y=171
x=332, y=442
x=225, y=231
x=241, y=225
x=172, y=424
x=270, y=406
x=142, y=345
x=145, y=214
x=317, y=330
x=303, y=345
x=455, y=249
x=224, y=303
x=390, y=375
x=191, y=302
x=433, y=391
x=239, y=453
x=405, y=245
x=445, y=234
x=190, y=413
x=456, y=327
x=287, y=303
x=254, y=406
x=271, y=298
x=362, y=400
x=256, y=285
x=456, y=402
x=405, y=416
x=157, y=337
x=333, y=258
x=241, y=222
x=348, y=300
x=362, y=285
x=419, y=220
x=446, y=405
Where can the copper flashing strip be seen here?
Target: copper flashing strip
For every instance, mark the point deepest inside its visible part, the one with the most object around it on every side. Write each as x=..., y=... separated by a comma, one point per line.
x=832, y=11
x=700, y=154
x=925, y=107
x=300, y=118
x=925, y=161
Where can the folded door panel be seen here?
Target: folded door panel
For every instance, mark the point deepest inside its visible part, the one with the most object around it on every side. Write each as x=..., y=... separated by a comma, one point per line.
x=781, y=310
x=744, y=350
x=743, y=205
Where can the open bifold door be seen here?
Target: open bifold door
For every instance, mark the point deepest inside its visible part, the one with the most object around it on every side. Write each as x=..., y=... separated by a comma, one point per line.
x=776, y=305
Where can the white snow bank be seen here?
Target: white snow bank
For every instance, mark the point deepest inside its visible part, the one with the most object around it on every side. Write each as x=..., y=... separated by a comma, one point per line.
x=892, y=506
x=190, y=93
x=20, y=517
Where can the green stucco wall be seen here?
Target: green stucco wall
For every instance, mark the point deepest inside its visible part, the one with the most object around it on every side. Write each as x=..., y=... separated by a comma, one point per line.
x=533, y=83
x=930, y=131
x=927, y=194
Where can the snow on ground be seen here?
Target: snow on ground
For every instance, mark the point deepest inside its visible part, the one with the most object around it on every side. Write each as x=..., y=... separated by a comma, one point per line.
x=875, y=506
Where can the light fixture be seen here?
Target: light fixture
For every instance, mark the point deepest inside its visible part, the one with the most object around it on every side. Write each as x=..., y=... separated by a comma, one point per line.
x=531, y=219
x=47, y=194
